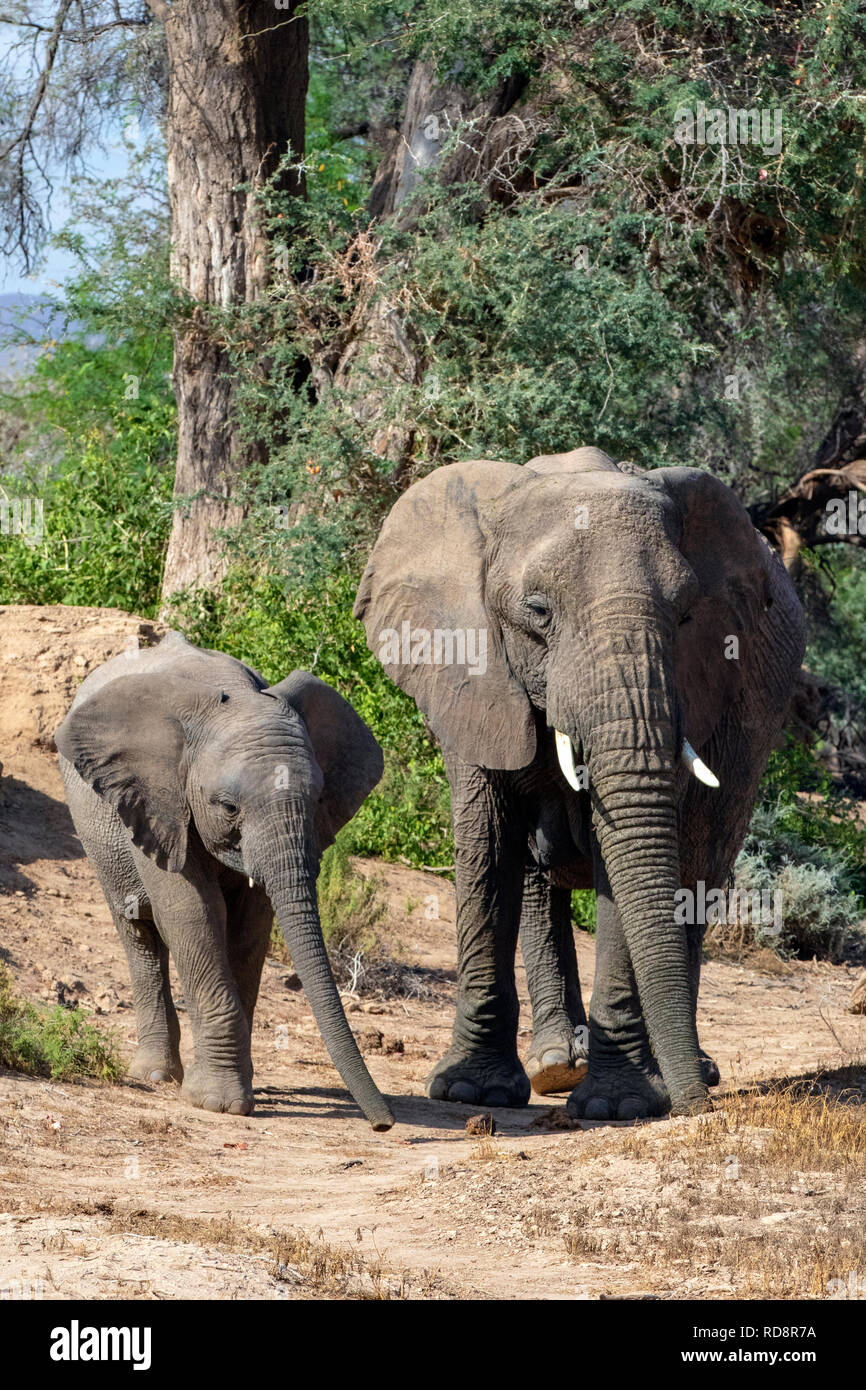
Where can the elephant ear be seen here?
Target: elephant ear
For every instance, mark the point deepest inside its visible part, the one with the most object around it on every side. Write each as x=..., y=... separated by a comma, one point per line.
x=720, y=640
x=127, y=742
x=347, y=753
x=422, y=603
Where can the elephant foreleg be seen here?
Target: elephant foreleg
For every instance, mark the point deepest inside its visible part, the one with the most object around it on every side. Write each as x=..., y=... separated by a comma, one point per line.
x=249, y=917
x=623, y=1081
x=190, y=914
x=558, y=1053
x=482, y=1066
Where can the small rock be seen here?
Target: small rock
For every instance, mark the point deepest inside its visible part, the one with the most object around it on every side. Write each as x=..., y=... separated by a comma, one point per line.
x=292, y=981
x=105, y=1000
x=478, y=1125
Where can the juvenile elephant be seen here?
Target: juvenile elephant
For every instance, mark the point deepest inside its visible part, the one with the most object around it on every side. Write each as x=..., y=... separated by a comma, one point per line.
x=204, y=799
x=573, y=632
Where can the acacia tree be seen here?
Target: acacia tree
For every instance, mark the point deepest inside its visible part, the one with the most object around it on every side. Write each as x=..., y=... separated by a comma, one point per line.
x=227, y=79
x=236, y=93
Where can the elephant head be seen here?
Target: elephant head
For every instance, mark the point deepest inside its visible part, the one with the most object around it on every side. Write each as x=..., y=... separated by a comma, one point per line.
x=262, y=778
x=601, y=604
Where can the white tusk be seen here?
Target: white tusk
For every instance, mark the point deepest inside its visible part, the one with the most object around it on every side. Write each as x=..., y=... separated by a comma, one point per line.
x=565, y=754
x=694, y=764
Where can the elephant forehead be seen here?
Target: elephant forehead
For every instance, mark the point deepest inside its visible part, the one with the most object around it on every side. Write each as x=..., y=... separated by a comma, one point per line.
x=561, y=516
x=244, y=726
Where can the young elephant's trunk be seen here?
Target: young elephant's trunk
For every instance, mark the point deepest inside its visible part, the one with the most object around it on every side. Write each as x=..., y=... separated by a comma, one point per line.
x=290, y=881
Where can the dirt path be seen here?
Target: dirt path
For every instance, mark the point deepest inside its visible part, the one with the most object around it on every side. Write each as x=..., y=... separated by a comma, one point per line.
x=123, y=1191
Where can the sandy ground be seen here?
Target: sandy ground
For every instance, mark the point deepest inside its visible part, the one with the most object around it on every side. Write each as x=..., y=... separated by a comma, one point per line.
x=124, y=1191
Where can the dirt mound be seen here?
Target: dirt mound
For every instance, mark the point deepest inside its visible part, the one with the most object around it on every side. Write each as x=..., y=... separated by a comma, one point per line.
x=45, y=653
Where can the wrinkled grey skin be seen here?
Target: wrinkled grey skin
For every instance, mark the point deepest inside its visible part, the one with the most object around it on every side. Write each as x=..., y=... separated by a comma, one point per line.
x=187, y=777
x=608, y=599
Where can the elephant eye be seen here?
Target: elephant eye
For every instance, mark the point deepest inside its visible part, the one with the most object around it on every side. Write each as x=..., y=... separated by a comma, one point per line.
x=228, y=806
x=538, y=608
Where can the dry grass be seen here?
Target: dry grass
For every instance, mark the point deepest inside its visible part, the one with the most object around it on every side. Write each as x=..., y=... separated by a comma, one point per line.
x=763, y=1198
x=313, y=1266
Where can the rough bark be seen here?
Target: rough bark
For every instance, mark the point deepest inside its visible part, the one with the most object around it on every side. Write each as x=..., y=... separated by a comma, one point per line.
x=237, y=87
x=494, y=136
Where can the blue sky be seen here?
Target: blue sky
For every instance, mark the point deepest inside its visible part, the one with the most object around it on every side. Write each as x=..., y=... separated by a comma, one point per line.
x=55, y=264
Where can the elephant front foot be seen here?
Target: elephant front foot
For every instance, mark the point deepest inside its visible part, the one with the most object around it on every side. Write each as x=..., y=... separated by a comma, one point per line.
x=558, y=1059
x=225, y=1092
x=479, y=1078
x=620, y=1088
x=155, y=1064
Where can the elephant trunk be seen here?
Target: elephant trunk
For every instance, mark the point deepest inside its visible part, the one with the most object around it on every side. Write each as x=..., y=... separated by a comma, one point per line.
x=290, y=882
x=629, y=726
x=636, y=829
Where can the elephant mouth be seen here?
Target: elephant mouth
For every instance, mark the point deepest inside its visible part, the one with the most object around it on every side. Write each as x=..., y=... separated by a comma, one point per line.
x=233, y=859
x=576, y=776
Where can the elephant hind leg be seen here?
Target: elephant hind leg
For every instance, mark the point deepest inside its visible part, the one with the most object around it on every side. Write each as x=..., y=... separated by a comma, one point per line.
x=157, y=1057
x=558, y=1053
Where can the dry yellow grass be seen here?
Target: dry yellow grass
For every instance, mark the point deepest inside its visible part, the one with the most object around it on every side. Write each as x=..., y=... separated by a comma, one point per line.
x=763, y=1197
x=312, y=1265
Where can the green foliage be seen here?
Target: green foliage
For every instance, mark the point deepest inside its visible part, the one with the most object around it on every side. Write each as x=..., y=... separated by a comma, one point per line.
x=819, y=906
x=812, y=819
x=583, y=909
x=806, y=841
x=607, y=289
x=106, y=521
x=352, y=915
x=94, y=434
x=58, y=1043
x=837, y=647
x=350, y=909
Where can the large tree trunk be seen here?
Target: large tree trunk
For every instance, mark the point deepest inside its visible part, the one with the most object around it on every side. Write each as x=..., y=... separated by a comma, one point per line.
x=237, y=89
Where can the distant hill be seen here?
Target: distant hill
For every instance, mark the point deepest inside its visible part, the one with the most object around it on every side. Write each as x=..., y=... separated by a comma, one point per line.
x=26, y=316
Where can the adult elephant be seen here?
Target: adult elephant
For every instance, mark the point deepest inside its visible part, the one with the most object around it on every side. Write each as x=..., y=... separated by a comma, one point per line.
x=573, y=633
x=204, y=799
